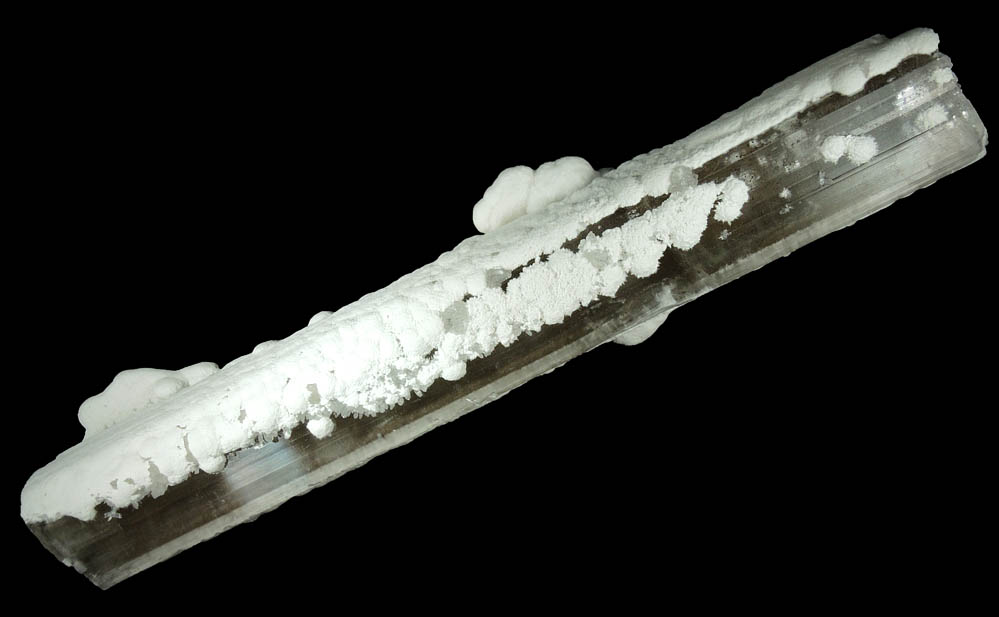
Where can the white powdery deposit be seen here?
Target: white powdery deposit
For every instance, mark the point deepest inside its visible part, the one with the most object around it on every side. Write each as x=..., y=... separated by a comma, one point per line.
x=734, y=193
x=942, y=76
x=394, y=343
x=858, y=148
x=521, y=190
x=931, y=117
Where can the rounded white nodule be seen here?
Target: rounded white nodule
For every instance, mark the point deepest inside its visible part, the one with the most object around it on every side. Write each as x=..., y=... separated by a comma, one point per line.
x=858, y=148
x=520, y=190
x=133, y=390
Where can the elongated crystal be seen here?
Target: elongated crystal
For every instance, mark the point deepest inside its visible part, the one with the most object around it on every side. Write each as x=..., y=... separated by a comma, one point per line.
x=746, y=190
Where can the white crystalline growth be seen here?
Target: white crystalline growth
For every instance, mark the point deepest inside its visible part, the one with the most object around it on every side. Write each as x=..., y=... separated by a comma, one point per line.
x=858, y=148
x=320, y=427
x=931, y=117
x=394, y=343
x=133, y=390
x=520, y=190
x=942, y=76
x=734, y=193
x=849, y=80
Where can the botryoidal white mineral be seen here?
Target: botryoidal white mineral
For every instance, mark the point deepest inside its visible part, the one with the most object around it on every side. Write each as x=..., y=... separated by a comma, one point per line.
x=152, y=429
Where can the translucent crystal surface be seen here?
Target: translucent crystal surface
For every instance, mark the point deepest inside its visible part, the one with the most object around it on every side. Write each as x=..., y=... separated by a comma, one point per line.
x=923, y=129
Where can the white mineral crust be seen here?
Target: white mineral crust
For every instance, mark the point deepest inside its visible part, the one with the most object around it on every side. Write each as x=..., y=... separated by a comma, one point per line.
x=393, y=344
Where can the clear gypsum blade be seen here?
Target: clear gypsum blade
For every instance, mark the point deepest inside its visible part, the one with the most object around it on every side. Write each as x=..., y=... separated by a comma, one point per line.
x=924, y=130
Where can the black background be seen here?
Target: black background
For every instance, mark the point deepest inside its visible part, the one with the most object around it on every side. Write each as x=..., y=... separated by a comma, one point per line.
x=186, y=187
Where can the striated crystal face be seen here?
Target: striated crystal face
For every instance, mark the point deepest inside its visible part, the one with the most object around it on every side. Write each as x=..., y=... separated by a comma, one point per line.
x=827, y=167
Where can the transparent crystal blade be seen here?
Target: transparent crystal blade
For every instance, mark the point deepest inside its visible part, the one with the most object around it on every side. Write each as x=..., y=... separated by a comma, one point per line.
x=924, y=129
